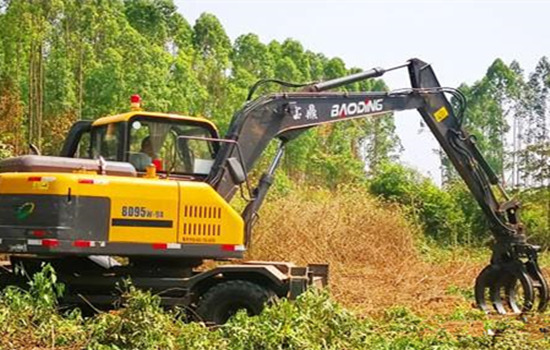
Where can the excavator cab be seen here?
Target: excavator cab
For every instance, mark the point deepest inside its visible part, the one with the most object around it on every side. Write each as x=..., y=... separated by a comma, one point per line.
x=177, y=146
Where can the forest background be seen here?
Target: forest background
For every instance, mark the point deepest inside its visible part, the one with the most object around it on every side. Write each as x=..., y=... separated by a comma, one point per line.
x=63, y=60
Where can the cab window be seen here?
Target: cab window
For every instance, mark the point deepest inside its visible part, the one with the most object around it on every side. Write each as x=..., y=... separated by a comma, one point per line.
x=106, y=141
x=170, y=147
x=83, y=148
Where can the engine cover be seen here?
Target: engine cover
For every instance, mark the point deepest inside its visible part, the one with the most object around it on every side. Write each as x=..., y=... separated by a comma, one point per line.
x=89, y=214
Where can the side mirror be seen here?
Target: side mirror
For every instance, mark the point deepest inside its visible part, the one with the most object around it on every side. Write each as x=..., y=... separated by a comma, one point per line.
x=236, y=170
x=34, y=150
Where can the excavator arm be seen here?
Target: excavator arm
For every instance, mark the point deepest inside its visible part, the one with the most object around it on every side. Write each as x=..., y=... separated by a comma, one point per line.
x=285, y=116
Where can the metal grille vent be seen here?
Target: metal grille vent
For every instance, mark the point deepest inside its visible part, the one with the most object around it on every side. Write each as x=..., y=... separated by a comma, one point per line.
x=199, y=213
x=202, y=212
x=195, y=229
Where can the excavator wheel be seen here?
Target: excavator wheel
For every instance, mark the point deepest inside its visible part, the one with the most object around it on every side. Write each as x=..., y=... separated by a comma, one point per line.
x=223, y=300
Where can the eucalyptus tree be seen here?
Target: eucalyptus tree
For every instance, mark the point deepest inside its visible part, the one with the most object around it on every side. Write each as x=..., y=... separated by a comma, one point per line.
x=212, y=64
x=492, y=103
x=535, y=156
x=73, y=59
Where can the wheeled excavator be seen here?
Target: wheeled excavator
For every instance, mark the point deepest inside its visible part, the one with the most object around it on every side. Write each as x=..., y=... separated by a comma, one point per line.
x=154, y=190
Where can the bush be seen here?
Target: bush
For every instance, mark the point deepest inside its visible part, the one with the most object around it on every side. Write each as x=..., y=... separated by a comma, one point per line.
x=535, y=214
x=141, y=323
x=477, y=227
x=32, y=318
x=435, y=209
x=314, y=321
x=452, y=215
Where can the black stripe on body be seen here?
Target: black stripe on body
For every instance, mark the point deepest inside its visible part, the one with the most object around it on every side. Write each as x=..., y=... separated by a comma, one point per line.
x=142, y=223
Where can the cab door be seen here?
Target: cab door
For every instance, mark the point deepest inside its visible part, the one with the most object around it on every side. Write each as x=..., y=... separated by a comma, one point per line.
x=78, y=140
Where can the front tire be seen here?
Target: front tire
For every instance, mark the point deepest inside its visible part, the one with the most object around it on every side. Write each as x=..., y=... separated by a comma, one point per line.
x=223, y=300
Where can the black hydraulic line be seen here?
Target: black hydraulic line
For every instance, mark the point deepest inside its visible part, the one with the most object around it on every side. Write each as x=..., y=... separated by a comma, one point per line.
x=482, y=181
x=261, y=82
x=493, y=178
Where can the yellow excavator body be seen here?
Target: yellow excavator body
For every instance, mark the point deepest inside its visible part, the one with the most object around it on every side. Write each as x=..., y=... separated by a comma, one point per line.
x=141, y=210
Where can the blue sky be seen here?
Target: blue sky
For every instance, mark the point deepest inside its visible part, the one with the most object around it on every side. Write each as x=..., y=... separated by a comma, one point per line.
x=460, y=38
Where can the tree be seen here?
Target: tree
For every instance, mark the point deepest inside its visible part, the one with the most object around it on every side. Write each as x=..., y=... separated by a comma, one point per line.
x=491, y=105
x=151, y=18
x=534, y=157
x=252, y=56
x=83, y=59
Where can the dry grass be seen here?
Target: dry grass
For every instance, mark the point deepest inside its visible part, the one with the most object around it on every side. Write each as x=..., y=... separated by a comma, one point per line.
x=370, y=247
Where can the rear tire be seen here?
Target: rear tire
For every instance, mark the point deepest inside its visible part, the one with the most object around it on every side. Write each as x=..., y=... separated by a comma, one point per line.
x=223, y=300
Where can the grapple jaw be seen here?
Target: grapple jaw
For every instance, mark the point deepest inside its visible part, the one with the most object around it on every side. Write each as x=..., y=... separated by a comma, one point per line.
x=513, y=282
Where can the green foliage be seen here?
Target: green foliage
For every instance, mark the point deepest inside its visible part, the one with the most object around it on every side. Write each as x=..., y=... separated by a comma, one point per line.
x=535, y=214
x=476, y=227
x=5, y=151
x=139, y=324
x=469, y=314
x=71, y=60
x=451, y=215
x=314, y=321
x=31, y=319
x=467, y=293
x=534, y=153
x=435, y=209
x=151, y=18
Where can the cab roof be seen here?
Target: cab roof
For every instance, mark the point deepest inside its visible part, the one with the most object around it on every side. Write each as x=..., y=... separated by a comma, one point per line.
x=127, y=116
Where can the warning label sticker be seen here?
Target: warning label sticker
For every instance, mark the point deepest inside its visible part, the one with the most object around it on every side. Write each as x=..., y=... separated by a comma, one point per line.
x=441, y=114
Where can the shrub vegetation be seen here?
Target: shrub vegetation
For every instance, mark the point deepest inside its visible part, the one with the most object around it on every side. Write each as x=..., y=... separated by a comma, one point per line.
x=33, y=320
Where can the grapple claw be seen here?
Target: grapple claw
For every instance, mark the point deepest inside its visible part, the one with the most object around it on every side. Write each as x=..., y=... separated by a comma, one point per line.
x=496, y=292
x=511, y=287
x=540, y=285
x=517, y=287
x=484, y=282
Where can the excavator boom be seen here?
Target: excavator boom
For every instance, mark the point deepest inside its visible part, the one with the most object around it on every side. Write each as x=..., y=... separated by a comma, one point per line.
x=285, y=116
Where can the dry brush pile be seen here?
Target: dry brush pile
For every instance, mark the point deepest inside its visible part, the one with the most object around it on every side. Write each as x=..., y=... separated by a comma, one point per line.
x=373, y=251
